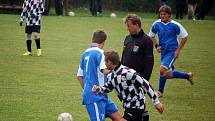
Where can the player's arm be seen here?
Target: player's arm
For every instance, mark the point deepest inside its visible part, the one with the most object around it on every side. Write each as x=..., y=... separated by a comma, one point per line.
x=80, y=77
x=152, y=33
x=152, y=94
x=181, y=45
x=141, y=82
x=146, y=87
x=182, y=33
x=157, y=46
x=42, y=9
x=23, y=13
x=108, y=87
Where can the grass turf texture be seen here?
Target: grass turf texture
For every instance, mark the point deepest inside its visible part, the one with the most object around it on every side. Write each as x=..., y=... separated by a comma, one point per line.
x=39, y=88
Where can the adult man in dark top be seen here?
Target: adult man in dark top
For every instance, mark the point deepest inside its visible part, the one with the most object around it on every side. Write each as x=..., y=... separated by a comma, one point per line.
x=138, y=50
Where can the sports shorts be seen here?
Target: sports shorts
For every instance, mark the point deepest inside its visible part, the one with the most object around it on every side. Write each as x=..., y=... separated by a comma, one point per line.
x=101, y=109
x=34, y=28
x=167, y=58
x=131, y=114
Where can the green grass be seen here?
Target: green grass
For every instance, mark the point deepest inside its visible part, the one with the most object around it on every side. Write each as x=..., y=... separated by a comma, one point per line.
x=39, y=88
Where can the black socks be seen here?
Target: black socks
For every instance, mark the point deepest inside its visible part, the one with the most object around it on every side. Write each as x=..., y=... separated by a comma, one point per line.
x=37, y=43
x=28, y=43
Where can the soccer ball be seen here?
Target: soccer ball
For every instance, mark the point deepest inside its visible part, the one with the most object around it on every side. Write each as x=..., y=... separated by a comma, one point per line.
x=65, y=117
x=71, y=13
x=113, y=15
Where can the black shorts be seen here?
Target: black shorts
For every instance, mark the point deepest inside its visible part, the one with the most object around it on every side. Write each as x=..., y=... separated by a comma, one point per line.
x=34, y=28
x=133, y=114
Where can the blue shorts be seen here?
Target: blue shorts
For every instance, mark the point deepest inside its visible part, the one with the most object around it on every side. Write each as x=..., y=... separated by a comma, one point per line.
x=167, y=58
x=101, y=109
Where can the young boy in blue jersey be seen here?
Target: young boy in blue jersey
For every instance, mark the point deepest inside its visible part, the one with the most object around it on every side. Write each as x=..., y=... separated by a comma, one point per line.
x=91, y=72
x=169, y=32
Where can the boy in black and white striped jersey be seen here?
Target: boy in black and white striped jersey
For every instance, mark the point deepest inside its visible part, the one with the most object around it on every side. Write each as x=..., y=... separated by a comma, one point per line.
x=130, y=88
x=32, y=11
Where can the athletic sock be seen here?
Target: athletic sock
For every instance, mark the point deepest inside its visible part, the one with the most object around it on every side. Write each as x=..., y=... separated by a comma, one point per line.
x=146, y=116
x=177, y=74
x=37, y=41
x=162, y=83
x=28, y=43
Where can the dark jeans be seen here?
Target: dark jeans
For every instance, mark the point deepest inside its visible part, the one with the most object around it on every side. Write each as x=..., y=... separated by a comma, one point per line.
x=59, y=7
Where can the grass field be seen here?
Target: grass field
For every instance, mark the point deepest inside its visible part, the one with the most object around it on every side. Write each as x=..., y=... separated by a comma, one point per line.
x=39, y=88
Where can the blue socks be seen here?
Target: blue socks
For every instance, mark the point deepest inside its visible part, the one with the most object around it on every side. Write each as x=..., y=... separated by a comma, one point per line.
x=162, y=83
x=177, y=74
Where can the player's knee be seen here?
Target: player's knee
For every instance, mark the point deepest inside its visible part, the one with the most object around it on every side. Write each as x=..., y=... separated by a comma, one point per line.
x=36, y=35
x=163, y=71
x=116, y=116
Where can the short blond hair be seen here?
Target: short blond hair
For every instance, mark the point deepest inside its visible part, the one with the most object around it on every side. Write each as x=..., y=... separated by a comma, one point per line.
x=134, y=19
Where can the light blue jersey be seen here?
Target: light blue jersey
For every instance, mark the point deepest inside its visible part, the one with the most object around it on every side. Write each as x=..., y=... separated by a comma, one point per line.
x=168, y=33
x=91, y=64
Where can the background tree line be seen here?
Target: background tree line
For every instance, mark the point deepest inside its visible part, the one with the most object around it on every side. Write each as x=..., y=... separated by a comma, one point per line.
x=132, y=5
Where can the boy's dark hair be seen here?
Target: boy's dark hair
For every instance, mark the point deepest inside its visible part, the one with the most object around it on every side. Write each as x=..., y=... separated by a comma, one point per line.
x=112, y=56
x=135, y=19
x=99, y=36
x=165, y=8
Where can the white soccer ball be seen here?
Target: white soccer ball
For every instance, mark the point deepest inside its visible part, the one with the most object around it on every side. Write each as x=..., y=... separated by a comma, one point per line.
x=113, y=15
x=71, y=13
x=65, y=117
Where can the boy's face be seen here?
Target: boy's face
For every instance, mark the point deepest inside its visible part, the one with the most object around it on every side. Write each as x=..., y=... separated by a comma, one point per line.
x=165, y=17
x=109, y=65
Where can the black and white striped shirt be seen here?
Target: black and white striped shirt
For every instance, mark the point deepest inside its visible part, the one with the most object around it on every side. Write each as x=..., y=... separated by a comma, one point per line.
x=32, y=10
x=130, y=88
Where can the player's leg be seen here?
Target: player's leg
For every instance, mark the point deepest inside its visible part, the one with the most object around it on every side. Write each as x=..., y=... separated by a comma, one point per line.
x=167, y=60
x=181, y=75
x=112, y=111
x=146, y=116
x=96, y=111
x=28, y=32
x=162, y=80
x=36, y=33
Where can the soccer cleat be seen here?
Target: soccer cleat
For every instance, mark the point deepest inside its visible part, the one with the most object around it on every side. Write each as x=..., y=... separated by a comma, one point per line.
x=190, y=79
x=159, y=94
x=27, y=53
x=39, y=52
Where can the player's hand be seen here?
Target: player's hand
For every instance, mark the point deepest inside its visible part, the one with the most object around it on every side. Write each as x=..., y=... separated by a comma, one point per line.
x=20, y=23
x=176, y=54
x=159, y=107
x=158, y=49
x=95, y=89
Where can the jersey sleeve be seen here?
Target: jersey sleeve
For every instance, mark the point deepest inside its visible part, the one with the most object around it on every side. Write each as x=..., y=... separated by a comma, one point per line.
x=102, y=61
x=23, y=13
x=141, y=82
x=183, y=33
x=153, y=30
x=80, y=71
x=41, y=6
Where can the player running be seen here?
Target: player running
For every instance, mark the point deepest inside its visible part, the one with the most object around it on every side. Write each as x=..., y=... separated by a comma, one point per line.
x=169, y=32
